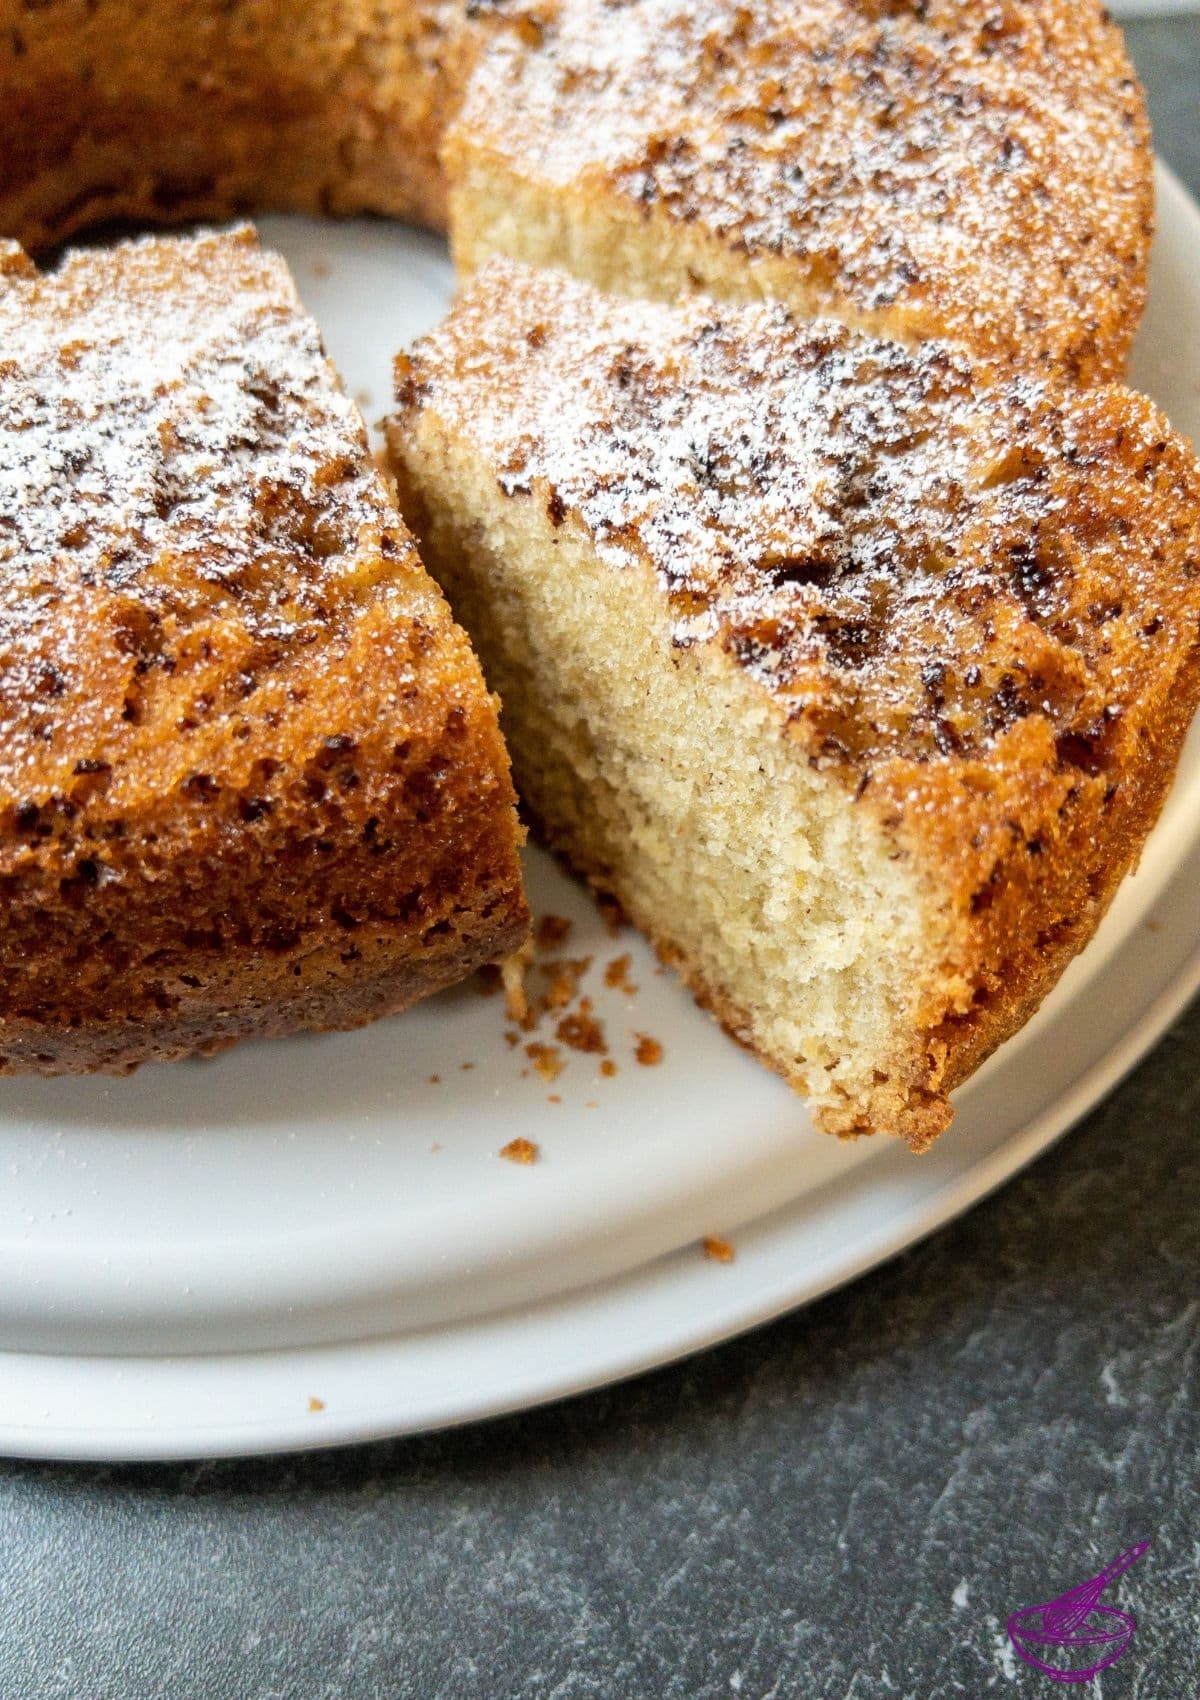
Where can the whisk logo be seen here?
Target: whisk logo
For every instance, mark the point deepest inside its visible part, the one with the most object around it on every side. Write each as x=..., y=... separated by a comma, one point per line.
x=1074, y=1637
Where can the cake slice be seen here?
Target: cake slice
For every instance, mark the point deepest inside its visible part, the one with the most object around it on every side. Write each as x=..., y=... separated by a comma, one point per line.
x=856, y=675
x=915, y=167
x=250, y=777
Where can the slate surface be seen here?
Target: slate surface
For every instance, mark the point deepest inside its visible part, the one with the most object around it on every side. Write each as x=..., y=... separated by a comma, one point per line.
x=843, y=1506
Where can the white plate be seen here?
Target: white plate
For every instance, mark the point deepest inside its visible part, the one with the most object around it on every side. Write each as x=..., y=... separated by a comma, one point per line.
x=192, y=1257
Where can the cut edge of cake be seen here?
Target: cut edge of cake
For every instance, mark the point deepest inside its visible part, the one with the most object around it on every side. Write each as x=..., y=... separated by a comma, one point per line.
x=929, y=897
x=636, y=827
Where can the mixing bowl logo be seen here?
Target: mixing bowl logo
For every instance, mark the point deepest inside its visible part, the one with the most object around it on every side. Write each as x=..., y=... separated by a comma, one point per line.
x=1074, y=1637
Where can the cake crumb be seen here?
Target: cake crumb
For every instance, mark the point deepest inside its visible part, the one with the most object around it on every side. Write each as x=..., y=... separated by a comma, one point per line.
x=608, y=1068
x=520, y=1151
x=616, y=975
x=466, y=1067
x=320, y=267
x=315, y=1404
x=1154, y=926
x=613, y=915
x=546, y=1059
x=511, y=1039
x=649, y=1052
x=581, y=1031
x=564, y=980
x=512, y=976
x=553, y=1098
x=552, y=931
x=718, y=1250
x=435, y=1080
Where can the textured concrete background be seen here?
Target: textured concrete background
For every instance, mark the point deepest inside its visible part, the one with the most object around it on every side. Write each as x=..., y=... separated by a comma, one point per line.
x=843, y=1506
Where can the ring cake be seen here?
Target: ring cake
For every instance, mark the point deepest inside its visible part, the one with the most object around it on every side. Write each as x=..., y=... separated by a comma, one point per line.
x=857, y=668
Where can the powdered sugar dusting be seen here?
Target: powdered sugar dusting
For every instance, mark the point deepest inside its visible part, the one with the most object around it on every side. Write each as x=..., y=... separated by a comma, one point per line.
x=980, y=172
x=178, y=453
x=910, y=558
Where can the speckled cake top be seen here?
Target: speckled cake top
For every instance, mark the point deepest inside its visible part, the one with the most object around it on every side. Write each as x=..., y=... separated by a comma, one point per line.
x=188, y=511
x=977, y=171
x=909, y=560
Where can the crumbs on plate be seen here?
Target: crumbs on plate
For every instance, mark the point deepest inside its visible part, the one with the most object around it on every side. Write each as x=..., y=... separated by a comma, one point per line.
x=581, y=1031
x=520, y=1151
x=540, y=985
x=552, y=931
x=616, y=975
x=546, y=1059
x=717, y=1250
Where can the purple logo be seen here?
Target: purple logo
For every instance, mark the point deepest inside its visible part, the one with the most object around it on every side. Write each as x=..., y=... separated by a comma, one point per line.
x=1074, y=1637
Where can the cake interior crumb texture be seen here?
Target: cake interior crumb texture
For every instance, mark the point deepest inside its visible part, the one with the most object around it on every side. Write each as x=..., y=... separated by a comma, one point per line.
x=856, y=678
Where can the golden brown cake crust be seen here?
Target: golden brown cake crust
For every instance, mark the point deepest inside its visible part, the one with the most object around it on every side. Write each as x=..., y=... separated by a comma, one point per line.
x=927, y=167
x=251, y=779
x=160, y=111
x=924, y=167
x=973, y=600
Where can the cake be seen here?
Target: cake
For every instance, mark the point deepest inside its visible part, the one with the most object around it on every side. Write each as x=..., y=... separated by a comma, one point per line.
x=814, y=652
x=164, y=110
x=920, y=167
x=251, y=779
x=856, y=673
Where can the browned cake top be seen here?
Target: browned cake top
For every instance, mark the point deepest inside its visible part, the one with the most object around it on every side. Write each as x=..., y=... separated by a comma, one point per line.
x=977, y=171
x=910, y=561
x=189, y=518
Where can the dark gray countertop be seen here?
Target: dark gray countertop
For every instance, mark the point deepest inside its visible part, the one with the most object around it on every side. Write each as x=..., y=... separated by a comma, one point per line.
x=843, y=1506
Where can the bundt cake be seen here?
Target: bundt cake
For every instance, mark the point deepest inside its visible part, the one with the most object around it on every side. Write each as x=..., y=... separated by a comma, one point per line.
x=251, y=779
x=923, y=167
x=856, y=673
